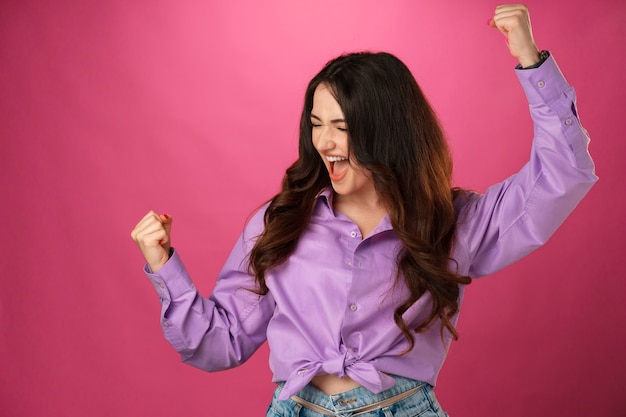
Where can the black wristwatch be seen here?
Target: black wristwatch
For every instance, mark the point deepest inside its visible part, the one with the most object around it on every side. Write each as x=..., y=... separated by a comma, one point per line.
x=543, y=55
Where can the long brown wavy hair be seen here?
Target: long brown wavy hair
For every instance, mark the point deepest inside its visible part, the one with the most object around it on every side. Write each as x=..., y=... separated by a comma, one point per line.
x=393, y=133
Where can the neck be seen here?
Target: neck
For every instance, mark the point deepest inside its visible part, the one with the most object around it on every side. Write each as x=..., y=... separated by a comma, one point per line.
x=366, y=213
x=365, y=200
x=358, y=203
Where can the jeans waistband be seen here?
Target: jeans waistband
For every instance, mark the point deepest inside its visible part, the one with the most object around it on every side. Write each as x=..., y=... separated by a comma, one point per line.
x=357, y=400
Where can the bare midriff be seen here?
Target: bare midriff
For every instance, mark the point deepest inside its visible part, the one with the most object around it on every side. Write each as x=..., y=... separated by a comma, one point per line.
x=332, y=384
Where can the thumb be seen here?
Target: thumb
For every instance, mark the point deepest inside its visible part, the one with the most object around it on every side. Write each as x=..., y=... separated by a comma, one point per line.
x=166, y=221
x=491, y=22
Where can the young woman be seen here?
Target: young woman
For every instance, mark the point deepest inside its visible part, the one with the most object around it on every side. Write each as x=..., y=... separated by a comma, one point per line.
x=354, y=273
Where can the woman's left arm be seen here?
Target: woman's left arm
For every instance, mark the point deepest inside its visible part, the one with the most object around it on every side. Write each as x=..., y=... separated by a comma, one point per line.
x=518, y=215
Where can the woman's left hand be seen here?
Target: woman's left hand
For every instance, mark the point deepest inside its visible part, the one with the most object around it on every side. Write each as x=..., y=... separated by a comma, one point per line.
x=513, y=21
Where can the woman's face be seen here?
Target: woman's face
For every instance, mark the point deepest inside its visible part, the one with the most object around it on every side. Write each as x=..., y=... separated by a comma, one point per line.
x=330, y=138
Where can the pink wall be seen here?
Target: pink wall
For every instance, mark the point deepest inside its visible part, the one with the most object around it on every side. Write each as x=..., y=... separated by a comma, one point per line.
x=111, y=108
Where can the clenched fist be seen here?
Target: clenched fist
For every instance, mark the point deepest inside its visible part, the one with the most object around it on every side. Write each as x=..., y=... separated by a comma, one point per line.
x=152, y=235
x=513, y=21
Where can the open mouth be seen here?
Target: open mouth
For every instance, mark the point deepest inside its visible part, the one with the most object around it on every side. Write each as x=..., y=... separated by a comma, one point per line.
x=338, y=167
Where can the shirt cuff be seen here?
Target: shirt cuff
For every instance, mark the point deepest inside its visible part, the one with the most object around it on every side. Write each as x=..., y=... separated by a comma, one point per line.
x=543, y=84
x=172, y=279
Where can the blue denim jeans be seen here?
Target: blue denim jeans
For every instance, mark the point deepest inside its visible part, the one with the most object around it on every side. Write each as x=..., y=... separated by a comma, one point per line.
x=421, y=403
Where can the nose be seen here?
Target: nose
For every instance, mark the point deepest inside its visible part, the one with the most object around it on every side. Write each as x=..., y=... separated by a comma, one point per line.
x=325, y=140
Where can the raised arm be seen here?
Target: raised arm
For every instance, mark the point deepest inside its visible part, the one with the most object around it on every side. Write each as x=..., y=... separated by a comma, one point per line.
x=518, y=215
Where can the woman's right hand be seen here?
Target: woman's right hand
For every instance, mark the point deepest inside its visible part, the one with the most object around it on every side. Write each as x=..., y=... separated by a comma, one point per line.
x=152, y=235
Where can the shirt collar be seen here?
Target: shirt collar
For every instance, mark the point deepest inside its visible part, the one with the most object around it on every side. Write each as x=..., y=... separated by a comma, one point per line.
x=326, y=196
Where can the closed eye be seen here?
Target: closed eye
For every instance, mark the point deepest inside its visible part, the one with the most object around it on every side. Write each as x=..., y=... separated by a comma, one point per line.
x=337, y=123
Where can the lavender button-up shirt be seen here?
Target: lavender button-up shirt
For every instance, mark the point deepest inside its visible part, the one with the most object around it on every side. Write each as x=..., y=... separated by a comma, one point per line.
x=330, y=306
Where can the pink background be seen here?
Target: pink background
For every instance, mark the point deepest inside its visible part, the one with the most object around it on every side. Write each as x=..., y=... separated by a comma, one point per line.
x=111, y=108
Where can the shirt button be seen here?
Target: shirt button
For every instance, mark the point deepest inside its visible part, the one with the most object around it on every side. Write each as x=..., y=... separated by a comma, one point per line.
x=161, y=285
x=302, y=372
x=353, y=234
x=541, y=84
x=166, y=324
x=568, y=121
x=353, y=307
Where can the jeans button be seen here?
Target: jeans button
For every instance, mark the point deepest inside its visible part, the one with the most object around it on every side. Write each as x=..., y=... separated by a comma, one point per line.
x=342, y=402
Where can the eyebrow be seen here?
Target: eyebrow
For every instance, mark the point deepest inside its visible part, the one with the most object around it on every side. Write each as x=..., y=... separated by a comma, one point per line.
x=332, y=121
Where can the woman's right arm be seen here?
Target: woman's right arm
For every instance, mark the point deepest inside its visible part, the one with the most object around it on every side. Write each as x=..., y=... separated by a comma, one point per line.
x=214, y=333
